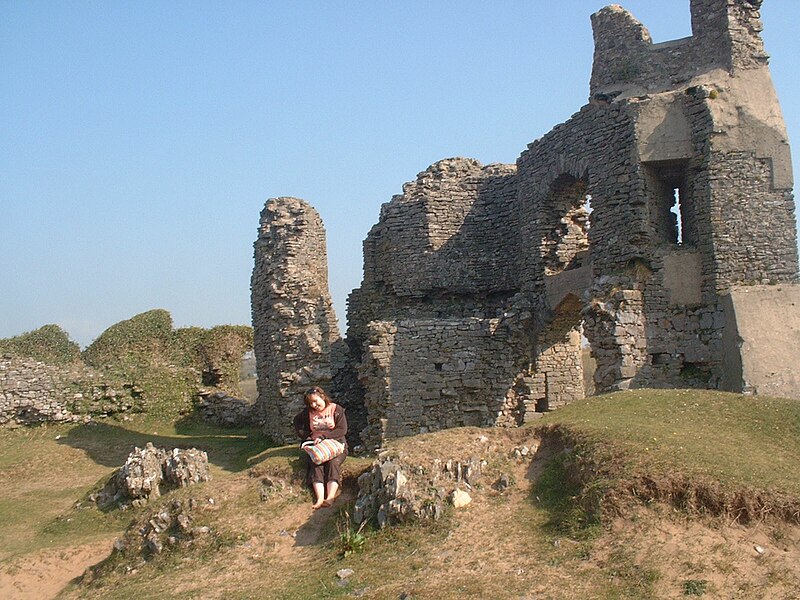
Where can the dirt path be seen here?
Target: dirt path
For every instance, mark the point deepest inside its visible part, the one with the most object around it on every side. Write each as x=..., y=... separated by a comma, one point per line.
x=303, y=526
x=42, y=575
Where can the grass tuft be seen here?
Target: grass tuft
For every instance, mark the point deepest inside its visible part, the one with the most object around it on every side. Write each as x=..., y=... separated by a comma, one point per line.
x=350, y=540
x=694, y=587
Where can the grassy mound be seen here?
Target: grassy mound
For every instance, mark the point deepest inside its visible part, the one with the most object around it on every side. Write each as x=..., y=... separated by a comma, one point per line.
x=707, y=451
x=169, y=365
x=49, y=344
x=145, y=338
x=576, y=518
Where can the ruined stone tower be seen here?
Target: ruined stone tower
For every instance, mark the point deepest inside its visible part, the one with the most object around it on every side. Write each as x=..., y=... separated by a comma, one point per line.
x=654, y=229
x=294, y=323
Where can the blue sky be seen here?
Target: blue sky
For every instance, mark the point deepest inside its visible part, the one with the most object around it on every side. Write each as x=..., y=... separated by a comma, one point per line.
x=140, y=140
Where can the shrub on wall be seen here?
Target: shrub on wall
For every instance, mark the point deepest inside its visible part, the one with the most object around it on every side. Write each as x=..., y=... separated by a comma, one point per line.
x=143, y=339
x=49, y=344
x=216, y=353
x=140, y=364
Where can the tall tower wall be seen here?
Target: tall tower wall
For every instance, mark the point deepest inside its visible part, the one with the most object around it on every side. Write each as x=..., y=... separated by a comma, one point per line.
x=294, y=323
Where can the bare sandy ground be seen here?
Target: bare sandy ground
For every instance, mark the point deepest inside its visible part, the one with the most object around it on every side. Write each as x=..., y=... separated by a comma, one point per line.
x=42, y=575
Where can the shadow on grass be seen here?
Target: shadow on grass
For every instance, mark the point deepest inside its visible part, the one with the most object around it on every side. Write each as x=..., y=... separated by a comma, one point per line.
x=323, y=525
x=109, y=445
x=557, y=488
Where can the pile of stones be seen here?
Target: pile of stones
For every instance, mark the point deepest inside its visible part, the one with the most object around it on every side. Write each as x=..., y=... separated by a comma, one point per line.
x=396, y=491
x=149, y=471
x=171, y=526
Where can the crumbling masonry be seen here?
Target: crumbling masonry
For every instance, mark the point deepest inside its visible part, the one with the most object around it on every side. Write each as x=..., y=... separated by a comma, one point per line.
x=656, y=227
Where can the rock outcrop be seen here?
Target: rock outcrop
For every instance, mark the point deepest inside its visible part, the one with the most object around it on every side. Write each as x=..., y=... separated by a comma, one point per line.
x=150, y=471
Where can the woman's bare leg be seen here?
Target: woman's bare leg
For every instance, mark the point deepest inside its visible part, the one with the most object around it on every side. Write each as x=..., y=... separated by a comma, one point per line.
x=319, y=494
x=333, y=489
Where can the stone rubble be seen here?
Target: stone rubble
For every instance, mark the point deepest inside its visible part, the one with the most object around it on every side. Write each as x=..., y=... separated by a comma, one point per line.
x=149, y=471
x=171, y=526
x=394, y=491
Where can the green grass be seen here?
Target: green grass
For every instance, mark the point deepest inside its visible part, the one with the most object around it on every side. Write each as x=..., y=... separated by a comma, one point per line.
x=694, y=587
x=736, y=440
x=46, y=470
x=739, y=441
x=559, y=494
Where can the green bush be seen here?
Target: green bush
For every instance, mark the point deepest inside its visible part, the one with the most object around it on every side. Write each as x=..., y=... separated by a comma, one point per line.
x=146, y=338
x=216, y=353
x=350, y=540
x=49, y=344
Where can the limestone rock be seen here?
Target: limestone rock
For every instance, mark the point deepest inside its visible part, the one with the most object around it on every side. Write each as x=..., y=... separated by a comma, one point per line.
x=396, y=491
x=459, y=498
x=185, y=467
x=149, y=471
x=140, y=477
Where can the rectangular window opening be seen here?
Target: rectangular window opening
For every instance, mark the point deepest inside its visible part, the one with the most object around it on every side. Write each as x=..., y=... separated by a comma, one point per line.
x=670, y=202
x=676, y=210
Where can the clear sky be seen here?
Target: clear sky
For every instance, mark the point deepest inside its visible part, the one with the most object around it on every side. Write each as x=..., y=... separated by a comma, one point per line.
x=140, y=140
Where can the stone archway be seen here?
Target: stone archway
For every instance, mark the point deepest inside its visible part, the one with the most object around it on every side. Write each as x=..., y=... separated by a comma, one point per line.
x=561, y=349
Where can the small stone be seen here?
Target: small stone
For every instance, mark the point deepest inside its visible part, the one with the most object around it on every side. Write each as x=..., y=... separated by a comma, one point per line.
x=502, y=483
x=760, y=550
x=520, y=452
x=183, y=522
x=460, y=498
x=344, y=573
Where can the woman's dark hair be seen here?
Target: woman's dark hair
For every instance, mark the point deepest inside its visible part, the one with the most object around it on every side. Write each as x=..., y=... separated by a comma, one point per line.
x=320, y=392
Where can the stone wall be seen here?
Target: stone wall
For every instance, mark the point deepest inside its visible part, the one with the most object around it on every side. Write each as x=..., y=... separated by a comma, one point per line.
x=33, y=392
x=433, y=344
x=294, y=324
x=423, y=375
x=628, y=224
x=762, y=340
x=680, y=212
x=726, y=35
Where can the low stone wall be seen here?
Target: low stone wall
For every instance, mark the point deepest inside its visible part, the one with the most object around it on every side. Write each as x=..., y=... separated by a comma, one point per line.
x=34, y=392
x=423, y=375
x=226, y=411
x=29, y=393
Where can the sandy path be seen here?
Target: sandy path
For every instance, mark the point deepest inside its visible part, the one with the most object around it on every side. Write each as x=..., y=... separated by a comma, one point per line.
x=42, y=575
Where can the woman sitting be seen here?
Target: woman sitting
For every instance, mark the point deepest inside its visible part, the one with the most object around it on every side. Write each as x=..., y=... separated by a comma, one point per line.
x=322, y=419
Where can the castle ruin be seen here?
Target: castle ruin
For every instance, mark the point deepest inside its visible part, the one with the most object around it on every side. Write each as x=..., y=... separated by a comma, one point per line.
x=655, y=227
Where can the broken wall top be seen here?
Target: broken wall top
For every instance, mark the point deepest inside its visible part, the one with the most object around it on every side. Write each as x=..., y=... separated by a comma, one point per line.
x=725, y=35
x=433, y=237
